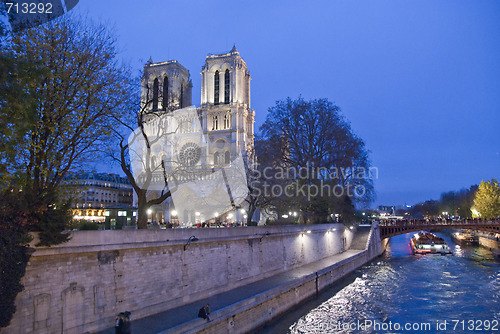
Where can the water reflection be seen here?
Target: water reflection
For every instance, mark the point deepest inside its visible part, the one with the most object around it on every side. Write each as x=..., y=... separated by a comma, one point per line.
x=400, y=288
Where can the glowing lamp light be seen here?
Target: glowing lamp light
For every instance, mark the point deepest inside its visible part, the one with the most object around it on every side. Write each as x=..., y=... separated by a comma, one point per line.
x=284, y=216
x=174, y=213
x=197, y=213
x=242, y=211
x=150, y=211
x=230, y=216
x=308, y=231
x=216, y=214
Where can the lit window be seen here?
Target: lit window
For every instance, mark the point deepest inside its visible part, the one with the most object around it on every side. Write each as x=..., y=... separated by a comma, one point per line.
x=106, y=213
x=122, y=213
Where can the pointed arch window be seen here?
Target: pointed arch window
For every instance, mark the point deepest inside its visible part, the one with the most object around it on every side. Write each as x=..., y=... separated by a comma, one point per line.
x=216, y=88
x=227, y=157
x=155, y=94
x=217, y=159
x=165, y=93
x=226, y=87
x=182, y=97
x=215, y=123
x=227, y=121
x=153, y=163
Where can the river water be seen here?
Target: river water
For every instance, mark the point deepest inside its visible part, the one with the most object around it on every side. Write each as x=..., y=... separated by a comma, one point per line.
x=403, y=293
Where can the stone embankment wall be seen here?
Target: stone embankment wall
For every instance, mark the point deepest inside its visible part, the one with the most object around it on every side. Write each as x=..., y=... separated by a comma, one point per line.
x=249, y=314
x=80, y=286
x=488, y=243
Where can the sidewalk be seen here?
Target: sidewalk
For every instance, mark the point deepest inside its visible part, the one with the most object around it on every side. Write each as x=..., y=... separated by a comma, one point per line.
x=162, y=321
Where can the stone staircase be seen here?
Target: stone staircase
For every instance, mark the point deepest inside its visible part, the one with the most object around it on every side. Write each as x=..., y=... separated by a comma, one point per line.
x=360, y=238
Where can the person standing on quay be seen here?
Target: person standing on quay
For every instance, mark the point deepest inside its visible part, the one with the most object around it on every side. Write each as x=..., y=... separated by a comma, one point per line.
x=118, y=324
x=126, y=328
x=207, y=311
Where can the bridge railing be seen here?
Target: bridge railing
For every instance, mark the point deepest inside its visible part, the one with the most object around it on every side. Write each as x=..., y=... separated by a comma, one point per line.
x=418, y=222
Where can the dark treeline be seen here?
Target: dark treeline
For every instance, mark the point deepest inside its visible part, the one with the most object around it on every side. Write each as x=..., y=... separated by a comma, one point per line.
x=454, y=203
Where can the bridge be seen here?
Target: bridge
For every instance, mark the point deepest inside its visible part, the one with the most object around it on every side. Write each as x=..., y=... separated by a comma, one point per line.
x=396, y=227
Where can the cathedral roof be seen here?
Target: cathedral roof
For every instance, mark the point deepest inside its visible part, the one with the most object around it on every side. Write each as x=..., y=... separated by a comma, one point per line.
x=233, y=51
x=169, y=63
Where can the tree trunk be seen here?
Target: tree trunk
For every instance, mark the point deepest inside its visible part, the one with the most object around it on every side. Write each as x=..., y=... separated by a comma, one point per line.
x=142, y=210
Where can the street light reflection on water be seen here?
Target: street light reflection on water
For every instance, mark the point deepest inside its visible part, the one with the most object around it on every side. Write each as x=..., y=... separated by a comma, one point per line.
x=399, y=288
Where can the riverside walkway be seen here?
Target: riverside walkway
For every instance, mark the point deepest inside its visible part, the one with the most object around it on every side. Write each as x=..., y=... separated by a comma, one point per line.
x=167, y=321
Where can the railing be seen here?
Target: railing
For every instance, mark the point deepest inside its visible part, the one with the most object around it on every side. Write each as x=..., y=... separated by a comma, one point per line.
x=394, y=227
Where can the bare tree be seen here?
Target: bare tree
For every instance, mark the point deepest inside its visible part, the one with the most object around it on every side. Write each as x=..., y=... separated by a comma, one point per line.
x=143, y=128
x=61, y=91
x=329, y=161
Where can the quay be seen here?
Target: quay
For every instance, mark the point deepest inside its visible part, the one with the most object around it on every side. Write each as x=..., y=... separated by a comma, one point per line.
x=248, y=276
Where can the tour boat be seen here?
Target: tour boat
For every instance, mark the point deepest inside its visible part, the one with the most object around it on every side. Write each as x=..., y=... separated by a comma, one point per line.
x=465, y=238
x=428, y=243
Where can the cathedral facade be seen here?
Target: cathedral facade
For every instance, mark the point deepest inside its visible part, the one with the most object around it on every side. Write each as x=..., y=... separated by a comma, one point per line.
x=202, y=150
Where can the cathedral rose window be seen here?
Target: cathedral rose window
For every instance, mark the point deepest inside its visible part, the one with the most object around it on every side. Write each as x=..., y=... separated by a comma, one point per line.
x=189, y=154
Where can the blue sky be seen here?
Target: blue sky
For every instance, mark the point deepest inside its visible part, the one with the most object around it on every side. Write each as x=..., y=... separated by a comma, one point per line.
x=419, y=80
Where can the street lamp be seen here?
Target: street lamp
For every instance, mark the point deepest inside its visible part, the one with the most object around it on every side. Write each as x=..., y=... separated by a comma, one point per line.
x=190, y=240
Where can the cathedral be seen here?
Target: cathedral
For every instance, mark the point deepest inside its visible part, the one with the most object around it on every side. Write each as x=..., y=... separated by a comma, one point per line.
x=200, y=154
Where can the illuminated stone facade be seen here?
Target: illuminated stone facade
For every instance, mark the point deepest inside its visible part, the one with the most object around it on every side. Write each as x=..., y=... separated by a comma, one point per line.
x=201, y=138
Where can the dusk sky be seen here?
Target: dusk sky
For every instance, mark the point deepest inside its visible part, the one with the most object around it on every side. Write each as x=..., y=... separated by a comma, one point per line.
x=419, y=80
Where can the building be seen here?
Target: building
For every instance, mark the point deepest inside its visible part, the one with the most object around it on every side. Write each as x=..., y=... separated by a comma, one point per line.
x=205, y=147
x=94, y=192
x=386, y=210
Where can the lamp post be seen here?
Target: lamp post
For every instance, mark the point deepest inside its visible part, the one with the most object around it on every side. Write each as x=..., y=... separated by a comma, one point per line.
x=190, y=240
x=150, y=212
x=173, y=217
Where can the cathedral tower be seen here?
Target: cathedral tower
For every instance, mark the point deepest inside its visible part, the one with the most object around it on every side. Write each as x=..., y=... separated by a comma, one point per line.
x=166, y=86
x=225, y=79
x=225, y=104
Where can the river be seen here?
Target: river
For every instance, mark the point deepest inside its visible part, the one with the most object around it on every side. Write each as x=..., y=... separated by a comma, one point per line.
x=403, y=293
